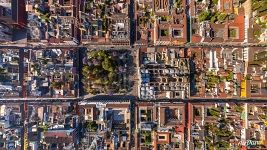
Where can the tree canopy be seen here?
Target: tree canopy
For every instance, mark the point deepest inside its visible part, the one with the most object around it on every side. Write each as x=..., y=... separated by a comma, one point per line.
x=204, y=15
x=91, y=126
x=101, y=72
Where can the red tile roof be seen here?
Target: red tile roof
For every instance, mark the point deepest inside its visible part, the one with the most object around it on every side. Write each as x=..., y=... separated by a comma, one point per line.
x=239, y=22
x=196, y=38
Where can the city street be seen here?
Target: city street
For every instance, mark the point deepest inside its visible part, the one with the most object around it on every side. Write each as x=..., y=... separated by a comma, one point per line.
x=121, y=98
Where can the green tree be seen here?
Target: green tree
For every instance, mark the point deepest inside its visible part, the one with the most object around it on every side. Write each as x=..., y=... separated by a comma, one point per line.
x=85, y=70
x=197, y=144
x=44, y=61
x=100, y=75
x=35, y=67
x=91, y=126
x=264, y=109
x=223, y=145
x=147, y=13
x=96, y=71
x=239, y=108
x=232, y=33
x=107, y=65
x=44, y=127
x=178, y=3
x=214, y=112
x=257, y=33
x=92, y=54
x=147, y=137
x=214, y=2
x=92, y=91
x=213, y=19
x=107, y=2
x=111, y=76
x=222, y=17
x=2, y=70
x=56, y=85
x=105, y=24
x=88, y=7
x=102, y=54
x=248, y=77
x=204, y=15
x=230, y=76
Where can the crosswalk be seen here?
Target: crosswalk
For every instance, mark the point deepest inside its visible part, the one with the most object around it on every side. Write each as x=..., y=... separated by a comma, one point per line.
x=245, y=54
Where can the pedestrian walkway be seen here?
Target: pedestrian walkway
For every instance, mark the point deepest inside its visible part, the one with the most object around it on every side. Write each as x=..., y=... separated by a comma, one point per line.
x=246, y=28
x=247, y=6
x=245, y=54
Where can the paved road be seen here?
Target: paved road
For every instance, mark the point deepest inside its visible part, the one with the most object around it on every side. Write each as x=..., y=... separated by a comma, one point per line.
x=38, y=100
x=202, y=100
x=91, y=46
x=123, y=98
x=21, y=72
